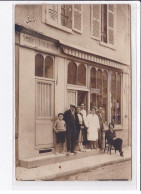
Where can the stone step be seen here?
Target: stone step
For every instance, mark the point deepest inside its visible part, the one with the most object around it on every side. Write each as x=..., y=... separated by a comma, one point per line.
x=52, y=158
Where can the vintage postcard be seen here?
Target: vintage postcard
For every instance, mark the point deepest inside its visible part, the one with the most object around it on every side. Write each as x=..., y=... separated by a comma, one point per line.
x=73, y=92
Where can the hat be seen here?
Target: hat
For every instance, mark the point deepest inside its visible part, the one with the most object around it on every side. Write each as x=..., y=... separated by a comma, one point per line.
x=73, y=105
x=101, y=107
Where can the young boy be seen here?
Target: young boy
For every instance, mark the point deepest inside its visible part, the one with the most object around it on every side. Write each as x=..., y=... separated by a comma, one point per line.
x=60, y=130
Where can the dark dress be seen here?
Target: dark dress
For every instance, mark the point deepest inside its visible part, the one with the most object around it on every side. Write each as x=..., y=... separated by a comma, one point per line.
x=69, y=118
x=117, y=143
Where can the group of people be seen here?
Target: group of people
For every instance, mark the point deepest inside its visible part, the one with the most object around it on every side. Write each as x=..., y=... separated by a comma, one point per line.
x=80, y=129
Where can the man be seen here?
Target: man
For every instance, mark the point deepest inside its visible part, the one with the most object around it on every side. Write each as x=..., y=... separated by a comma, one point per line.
x=69, y=118
x=100, y=133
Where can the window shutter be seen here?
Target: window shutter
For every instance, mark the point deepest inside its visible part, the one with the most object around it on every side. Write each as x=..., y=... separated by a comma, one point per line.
x=96, y=21
x=77, y=18
x=110, y=23
x=52, y=13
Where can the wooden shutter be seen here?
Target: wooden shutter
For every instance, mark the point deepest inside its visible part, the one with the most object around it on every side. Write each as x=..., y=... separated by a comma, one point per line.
x=110, y=23
x=77, y=17
x=96, y=21
x=52, y=13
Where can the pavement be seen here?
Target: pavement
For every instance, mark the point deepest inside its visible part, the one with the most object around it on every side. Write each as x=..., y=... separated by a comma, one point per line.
x=62, y=169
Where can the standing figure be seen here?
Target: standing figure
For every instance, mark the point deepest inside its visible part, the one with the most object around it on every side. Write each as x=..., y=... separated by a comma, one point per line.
x=100, y=133
x=83, y=112
x=79, y=129
x=69, y=118
x=93, y=128
x=60, y=130
x=113, y=140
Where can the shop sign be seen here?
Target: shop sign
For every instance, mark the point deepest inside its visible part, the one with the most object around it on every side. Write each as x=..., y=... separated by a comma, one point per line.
x=38, y=43
x=94, y=91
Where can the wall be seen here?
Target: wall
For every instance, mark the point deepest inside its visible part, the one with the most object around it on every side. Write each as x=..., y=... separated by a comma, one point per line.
x=26, y=103
x=122, y=29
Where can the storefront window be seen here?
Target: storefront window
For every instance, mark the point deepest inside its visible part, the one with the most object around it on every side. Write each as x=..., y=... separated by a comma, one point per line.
x=99, y=90
x=49, y=67
x=105, y=95
x=72, y=73
x=116, y=98
x=99, y=86
x=81, y=75
x=39, y=65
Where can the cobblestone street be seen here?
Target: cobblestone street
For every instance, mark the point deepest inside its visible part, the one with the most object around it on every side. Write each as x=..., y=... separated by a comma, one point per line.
x=119, y=171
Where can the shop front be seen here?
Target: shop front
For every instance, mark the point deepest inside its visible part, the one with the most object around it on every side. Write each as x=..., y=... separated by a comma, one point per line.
x=52, y=77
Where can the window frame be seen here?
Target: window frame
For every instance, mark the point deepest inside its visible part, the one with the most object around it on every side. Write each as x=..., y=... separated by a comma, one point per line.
x=58, y=24
x=108, y=45
x=44, y=57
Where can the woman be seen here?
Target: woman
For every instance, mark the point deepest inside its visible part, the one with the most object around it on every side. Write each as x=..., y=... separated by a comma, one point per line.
x=79, y=128
x=111, y=138
x=93, y=128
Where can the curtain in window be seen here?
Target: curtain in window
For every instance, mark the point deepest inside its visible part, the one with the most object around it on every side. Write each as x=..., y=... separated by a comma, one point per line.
x=105, y=95
x=99, y=86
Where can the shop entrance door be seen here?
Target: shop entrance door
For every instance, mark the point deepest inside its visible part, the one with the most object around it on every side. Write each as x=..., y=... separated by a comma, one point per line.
x=82, y=98
x=78, y=97
x=44, y=114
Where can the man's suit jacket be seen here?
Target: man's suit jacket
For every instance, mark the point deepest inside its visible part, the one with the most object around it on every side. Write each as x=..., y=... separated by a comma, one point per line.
x=70, y=120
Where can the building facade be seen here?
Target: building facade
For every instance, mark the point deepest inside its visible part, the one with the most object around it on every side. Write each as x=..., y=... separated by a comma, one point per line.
x=70, y=54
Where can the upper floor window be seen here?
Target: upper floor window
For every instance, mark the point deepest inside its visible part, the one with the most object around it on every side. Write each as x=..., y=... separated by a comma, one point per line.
x=76, y=75
x=103, y=23
x=66, y=17
x=43, y=68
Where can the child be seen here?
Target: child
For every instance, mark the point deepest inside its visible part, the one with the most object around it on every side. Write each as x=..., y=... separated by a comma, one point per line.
x=60, y=130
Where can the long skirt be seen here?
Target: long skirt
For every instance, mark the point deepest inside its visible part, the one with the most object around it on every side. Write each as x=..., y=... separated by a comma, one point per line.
x=117, y=143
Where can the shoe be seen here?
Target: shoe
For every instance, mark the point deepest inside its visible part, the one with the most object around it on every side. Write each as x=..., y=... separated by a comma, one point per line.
x=74, y=152
x=121, y=154
x=68, y=153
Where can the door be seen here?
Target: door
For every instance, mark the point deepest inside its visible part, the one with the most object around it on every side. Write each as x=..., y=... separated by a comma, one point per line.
x=83, y=98
x=72, y=97
x=44, y=113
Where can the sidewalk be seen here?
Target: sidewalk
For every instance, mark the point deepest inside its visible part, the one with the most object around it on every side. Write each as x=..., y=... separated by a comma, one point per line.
x=53, y=171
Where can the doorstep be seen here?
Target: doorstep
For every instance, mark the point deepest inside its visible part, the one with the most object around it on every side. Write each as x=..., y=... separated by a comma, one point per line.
x=52, y=158
x=62, y=169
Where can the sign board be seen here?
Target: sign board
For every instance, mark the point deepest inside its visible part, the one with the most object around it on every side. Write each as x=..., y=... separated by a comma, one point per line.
x=94, y=91
x=34, y=42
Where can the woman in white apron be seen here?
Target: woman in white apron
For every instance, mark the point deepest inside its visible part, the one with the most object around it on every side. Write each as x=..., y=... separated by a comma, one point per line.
x=93, y=128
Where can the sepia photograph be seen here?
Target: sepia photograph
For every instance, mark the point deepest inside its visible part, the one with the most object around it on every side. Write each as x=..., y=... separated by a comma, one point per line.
x=73, y=89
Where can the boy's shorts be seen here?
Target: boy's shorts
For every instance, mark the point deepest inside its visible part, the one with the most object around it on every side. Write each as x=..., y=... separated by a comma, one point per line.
x=60, y=137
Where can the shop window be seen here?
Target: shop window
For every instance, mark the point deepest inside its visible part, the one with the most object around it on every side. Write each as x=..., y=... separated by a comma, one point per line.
x=65, y=17
x=49, y=67
x=81, y=75
x=99, y=96
x=103, y=23
x=72, y=73
x=99, y=86
x=116, y=98
x=39, y=65
x=105, y=95
x=93, y=78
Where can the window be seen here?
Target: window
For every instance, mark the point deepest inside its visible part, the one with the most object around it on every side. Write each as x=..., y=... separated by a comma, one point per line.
x=66, y=17
x=76, y=75
x=48, y=67
x=103, y=23
x=39, y=65
x=81, y=75
x=43, y=68
x=99, y=96
x=72, y=73
x=116, y=98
